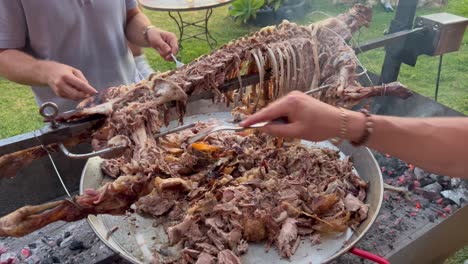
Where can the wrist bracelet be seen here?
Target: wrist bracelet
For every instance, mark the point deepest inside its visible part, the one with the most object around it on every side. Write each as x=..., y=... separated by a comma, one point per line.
x=145, y=32
x=343, y=128
x=369, y=128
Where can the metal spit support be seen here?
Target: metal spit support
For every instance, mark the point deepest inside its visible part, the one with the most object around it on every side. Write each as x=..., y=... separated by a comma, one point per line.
x=49, y=111
x=111, y=152
x=403, y=20
x=431, y=35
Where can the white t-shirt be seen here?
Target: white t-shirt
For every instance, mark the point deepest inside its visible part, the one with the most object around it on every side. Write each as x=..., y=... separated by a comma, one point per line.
x=85, y=34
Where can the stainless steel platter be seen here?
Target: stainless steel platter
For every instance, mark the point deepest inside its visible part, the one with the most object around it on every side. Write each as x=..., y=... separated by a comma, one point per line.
x=123, y=240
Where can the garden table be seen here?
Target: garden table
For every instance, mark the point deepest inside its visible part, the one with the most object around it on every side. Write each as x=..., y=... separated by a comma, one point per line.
x=175, y=7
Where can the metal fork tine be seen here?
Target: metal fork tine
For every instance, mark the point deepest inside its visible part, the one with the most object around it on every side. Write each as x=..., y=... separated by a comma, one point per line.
x=203, y=134
x=312, y=91
x=174, y=130
x=177, y=62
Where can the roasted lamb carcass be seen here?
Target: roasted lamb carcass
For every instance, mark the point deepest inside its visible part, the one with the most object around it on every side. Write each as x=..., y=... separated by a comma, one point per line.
x=298, y=57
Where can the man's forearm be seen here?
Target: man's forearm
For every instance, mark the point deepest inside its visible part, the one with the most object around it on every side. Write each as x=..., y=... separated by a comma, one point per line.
x=137, y=22
x=22, y=68
x=438, y=145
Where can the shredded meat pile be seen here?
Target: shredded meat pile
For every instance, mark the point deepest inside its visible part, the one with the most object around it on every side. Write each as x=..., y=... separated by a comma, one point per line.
x=232, y=189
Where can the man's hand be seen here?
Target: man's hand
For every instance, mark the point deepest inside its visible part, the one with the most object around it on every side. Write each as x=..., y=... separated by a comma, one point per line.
x=308, y=118
x=164, y=42
x=66, y=81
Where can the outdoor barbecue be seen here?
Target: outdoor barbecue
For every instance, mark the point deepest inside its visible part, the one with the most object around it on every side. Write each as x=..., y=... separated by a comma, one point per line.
x=154, y=194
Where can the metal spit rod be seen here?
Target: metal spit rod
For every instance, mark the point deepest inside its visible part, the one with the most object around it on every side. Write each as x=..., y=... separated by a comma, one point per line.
x=386, y=40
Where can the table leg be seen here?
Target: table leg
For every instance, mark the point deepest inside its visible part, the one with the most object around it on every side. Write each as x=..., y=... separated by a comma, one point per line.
x=208, y=14
x=180, y=26
x=201, y=24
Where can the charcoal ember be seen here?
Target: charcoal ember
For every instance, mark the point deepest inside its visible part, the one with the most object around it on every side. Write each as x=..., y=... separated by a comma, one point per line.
x=455, y=182
x=33, y=260
x=445, y=182
x=66, y=242
x=448, y=209
x=48, y=241
x=26, y=252
x=419, y=174
x=3, y=249
x=59, y=242
x=8, y=258
x=50, y=259
x=76, y=245
x=458, y=196
x=66, y=234
x=431, y=191
x=434, y=187
x=31, y=246
x=393, y=166
x=434, y=177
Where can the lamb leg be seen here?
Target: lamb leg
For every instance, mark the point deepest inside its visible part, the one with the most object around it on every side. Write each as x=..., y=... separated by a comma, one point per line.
x=391, y=89
x=30, y=218
x=112, y=198
x=11, y=163
x=161, y=91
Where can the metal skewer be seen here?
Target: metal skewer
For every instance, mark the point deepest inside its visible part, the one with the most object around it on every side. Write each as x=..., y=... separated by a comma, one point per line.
x=203, y=134
x=193, y=139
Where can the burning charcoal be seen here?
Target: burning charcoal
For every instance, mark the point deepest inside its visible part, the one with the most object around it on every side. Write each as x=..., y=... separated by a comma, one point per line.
x=32, y=245
x=33, y=260
x=3, y=250
x=419, y=174
x=66, y=234
x=431, y=218
x=456, y=195
x=455, y=182
x=26, y=253
x=67, y=242
x=434, y=187
x=50, y=259
x=76, y=245
x=448, y=209
x=434, y=177
x=47, y=241
x=8, y=258
x=59, y=242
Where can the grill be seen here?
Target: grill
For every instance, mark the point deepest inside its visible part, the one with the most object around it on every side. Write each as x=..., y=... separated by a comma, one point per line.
x=405, y=230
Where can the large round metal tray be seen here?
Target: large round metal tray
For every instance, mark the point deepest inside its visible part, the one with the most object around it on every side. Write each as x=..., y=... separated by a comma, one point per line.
x=123, y=241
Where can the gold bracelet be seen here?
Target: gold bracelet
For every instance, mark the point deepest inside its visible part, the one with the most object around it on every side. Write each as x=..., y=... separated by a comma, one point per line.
x=368, y=129
x=343, y=128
